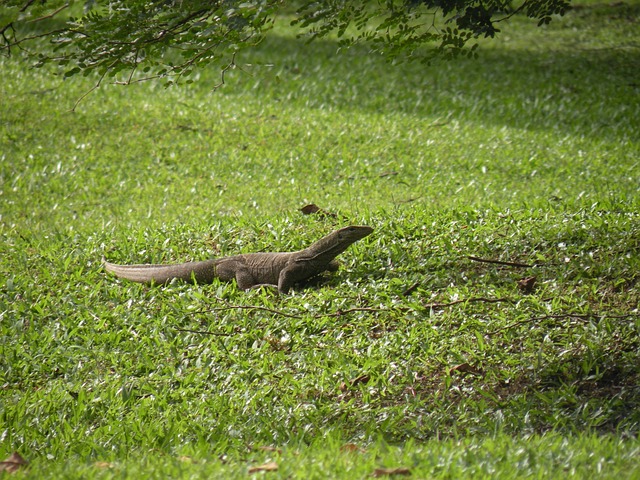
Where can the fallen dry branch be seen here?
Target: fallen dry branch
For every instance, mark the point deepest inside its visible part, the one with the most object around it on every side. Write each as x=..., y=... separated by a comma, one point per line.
x=204, y=332
x=500, y=262
x=411, y=289
x=14, y=463
x=559, y=316
x=401, y=309
x=254, y=307
x=339, y=313
x=470, y=300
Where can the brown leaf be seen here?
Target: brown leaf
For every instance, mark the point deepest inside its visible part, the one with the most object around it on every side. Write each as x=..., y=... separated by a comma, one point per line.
x=360, y=379
x=276, y=344
x=267, y=467
x=103, y=465
x=466, y=368
x=351, y=447
x=313, y=208
x=380, y=472
x=364, y=378
x=14, y=463
x=310, y=209
x=527, y=285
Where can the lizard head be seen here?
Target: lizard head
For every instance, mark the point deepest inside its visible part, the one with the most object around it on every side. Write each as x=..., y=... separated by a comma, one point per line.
x=354, y=232
x=338, y=241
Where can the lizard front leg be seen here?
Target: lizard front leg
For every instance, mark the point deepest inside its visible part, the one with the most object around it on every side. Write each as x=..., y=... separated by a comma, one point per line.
x=294, y=273
x=333, y=266
x=286, y=280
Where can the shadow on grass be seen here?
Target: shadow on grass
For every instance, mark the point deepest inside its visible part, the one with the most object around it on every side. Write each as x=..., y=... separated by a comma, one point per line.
x=573, y=393
x=581, y=391
x=578, y=91
x=554, y=87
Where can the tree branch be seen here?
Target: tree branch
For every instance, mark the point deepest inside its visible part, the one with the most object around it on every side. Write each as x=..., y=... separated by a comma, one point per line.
x=51, y=15
x=95, y=87
x=27, y=5
x=229, y=66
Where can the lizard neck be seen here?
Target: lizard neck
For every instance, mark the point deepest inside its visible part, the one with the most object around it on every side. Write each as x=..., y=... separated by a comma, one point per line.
x=332, y=245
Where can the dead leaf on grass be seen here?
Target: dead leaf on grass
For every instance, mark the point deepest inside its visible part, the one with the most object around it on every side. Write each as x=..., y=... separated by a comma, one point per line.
x=381, y=472
x=364, y=378
x=360, y=379
x=14, y=463
x=527, y=285
x=267, y=467
x=466, y=368
x=312, y=208
x=103, y=465
x=352, y=447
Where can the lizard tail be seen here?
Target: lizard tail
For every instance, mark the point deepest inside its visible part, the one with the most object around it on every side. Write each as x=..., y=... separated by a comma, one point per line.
x=198, y=272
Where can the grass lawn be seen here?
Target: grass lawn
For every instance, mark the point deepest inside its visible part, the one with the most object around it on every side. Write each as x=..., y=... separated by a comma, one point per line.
x=431, y=352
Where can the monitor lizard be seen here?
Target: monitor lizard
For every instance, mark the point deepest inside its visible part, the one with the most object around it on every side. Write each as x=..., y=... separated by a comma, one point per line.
x=281, y=270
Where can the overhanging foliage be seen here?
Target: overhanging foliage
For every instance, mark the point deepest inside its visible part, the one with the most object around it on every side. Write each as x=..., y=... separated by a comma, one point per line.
x=134, y=40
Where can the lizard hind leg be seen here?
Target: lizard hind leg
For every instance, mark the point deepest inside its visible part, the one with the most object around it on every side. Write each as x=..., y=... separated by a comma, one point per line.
x=244, y=279
x=235, y=270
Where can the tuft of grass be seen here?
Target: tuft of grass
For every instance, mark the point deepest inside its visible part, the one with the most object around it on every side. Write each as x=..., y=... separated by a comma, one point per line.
x=423, y=352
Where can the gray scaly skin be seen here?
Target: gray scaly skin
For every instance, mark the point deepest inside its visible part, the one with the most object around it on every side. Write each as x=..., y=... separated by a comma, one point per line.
x=253, y=269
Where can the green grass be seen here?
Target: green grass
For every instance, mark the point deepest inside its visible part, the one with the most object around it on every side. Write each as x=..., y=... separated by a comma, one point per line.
x=529, y=154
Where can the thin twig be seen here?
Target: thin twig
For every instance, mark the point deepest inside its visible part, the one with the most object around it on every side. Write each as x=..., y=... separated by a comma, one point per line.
x=17, y=42
x=229, y=66
x=411, y=289
x=51, y=15
x=253, y=307
x=26, y=5
x=87, y=93
x=203, y=332
x=512, y=13
x=133, y=69
x=6, y=41
x=500, y=262
x=581, y=316
x=95, y=87
x=339, y=313
x=470, y=300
